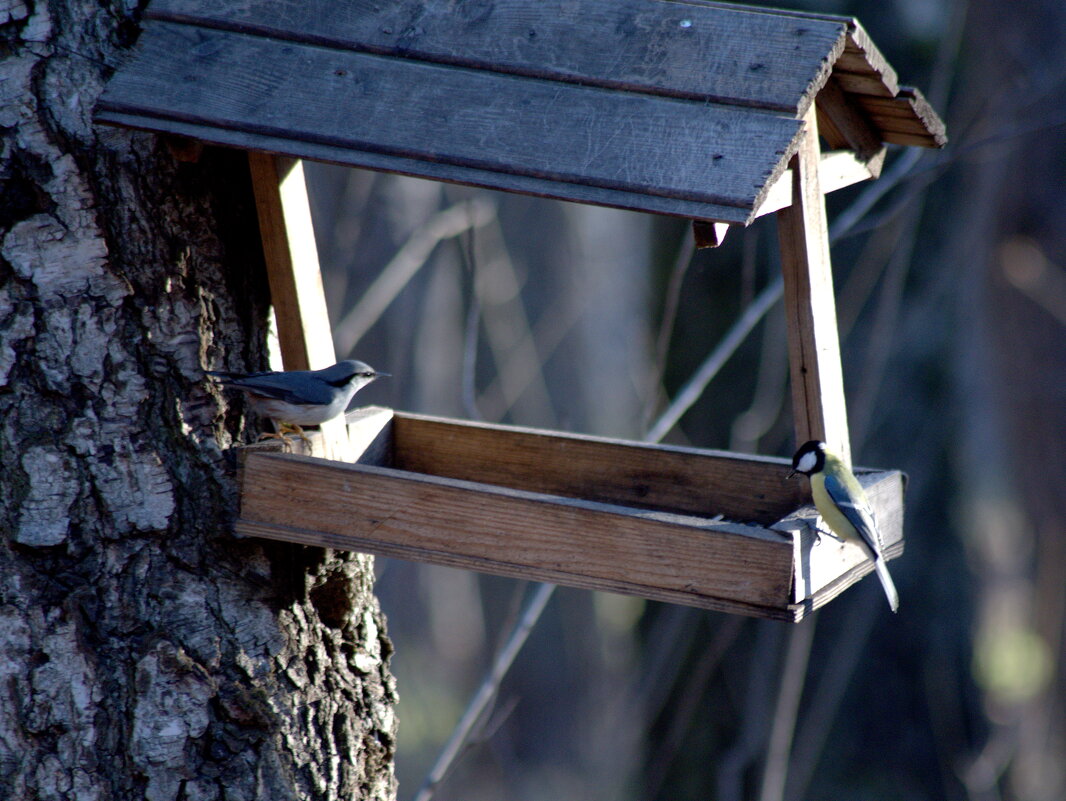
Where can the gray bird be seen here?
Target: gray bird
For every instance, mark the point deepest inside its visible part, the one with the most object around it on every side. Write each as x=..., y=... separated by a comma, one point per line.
x=296, y=398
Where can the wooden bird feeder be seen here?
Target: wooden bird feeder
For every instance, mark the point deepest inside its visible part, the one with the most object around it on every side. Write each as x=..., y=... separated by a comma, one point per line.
x=701, y=110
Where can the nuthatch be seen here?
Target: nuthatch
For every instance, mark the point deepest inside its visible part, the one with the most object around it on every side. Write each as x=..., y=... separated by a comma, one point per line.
x=298, y=398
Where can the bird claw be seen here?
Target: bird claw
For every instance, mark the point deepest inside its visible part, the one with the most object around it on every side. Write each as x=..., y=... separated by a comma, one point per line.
x=285, y=434
x=817, y=531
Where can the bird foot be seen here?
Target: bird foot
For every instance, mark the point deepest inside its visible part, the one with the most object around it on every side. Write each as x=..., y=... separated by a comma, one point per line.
x=818, y=531
x=285, y=434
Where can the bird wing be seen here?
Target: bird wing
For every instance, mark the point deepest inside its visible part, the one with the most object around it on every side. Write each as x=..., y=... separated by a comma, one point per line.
x=290, y=387
x=854, y=506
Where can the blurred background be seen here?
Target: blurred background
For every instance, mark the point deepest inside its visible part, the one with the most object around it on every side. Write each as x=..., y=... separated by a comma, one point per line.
x=951, y=292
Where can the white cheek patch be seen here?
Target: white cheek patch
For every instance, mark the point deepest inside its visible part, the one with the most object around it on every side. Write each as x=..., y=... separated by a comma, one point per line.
x=807, y=462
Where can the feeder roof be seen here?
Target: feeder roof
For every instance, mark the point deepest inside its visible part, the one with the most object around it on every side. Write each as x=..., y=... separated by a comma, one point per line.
x=684, y=108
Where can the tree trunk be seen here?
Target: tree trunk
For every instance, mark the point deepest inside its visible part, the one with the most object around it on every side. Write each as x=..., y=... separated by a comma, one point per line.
x=144, y=651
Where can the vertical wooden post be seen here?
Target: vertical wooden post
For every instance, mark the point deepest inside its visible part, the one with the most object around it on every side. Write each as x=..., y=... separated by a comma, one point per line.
x=818, y=406
x=292, y=262
x=304, y=332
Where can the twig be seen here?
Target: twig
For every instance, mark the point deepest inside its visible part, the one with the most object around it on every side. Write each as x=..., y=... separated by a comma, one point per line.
x=671, y=302
x=468, y=379
x=685, y=708
x=408, y=260
x=692, y=390
x=734, y=763
x=829, y=692
x=520, y=378
x=487, y=691
x=793, y=678
x=490, y=685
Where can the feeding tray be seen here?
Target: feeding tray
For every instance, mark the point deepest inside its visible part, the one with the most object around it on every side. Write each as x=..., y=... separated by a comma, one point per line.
x=701, y=110
x=698, y=527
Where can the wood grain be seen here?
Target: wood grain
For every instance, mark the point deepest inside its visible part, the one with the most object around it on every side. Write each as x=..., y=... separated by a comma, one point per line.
x=818, y=407
x=745, y=489
x=686, y=109
x=565, y=136
x=907, y=119
x=707, y=54
x=843, y=124
x=491, y=527
x=835, y=171
x=292, y=262
x=509, y=532
x=581, y=511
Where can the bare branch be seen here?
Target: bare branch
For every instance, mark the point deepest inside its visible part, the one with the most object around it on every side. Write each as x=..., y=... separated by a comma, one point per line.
x=408, y=260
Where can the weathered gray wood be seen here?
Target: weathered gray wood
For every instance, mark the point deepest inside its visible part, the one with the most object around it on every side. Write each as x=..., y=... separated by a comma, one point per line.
x=639, y=104
x=861, y=56
x=564, y=135
x=706, y=53
x=540, y=187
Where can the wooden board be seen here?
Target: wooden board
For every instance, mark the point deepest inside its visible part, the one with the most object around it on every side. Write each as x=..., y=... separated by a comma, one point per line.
x=685, y=109
x=906, y=119
x=451, y=123
x=292, y=262
x=661, y=477
x=291, y=256
x=510, y=532
x=704, y=53
x=520, y=512
x=843, y=124
x=818, y=407
x=836, y=170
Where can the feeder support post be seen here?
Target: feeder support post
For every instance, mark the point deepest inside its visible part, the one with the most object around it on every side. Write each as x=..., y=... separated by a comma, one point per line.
x=291, y=256
x=818, y=406
x=292, y=262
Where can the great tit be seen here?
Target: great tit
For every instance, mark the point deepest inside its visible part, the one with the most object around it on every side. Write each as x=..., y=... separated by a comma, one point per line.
x=843, y=505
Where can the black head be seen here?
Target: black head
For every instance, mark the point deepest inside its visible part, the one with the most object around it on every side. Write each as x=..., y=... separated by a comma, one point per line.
x=810, y=458
x=349, y=373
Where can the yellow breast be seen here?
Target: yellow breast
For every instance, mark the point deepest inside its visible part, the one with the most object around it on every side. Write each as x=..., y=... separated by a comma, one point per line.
x=840, y=525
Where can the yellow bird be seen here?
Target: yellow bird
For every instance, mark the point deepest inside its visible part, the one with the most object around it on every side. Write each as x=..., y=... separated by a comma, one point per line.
x=843, y=505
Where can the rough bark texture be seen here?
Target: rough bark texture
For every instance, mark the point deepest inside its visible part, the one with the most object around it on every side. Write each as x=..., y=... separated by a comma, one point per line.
x=144, y=651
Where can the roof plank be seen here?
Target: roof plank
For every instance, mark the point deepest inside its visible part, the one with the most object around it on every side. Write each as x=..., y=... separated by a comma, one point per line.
x=719, y=54
x=906, y=119
x=369, y=111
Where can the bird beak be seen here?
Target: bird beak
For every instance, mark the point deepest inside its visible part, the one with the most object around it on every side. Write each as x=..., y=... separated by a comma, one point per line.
x=791, y=474
x=382, y=375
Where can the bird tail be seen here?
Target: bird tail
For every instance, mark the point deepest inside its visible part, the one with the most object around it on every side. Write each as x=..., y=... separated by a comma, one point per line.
x=886, y=581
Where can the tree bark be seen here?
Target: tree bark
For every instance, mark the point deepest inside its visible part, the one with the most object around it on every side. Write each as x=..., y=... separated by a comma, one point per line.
x=144, y=651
